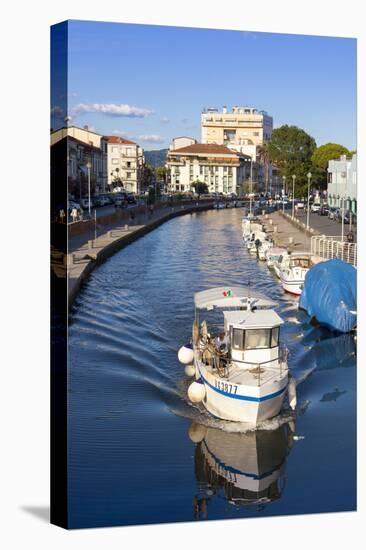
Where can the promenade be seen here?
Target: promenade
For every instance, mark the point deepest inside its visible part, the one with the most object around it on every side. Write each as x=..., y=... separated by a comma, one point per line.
x=285, y=233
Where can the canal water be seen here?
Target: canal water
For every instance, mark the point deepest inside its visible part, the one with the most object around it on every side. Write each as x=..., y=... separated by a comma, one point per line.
x=135, y=454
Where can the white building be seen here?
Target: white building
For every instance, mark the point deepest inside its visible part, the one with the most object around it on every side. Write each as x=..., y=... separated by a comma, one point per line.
x=342, y=183
x=123, y=159
x=82, y=134
x=222, y=169
x=244, y=129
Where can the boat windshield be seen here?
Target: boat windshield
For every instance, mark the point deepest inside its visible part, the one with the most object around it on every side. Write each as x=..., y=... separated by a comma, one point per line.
x=300, y=262
x=254, y=338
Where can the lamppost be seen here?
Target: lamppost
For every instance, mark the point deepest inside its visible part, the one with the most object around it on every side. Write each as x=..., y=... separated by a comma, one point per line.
x=293, y=196
x=88, y=165
x=308, y=208
x=342, y=199
x=283, y=192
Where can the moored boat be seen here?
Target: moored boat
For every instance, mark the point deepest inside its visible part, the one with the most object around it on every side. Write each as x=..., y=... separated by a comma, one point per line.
x=243, y=374
x=293, y=275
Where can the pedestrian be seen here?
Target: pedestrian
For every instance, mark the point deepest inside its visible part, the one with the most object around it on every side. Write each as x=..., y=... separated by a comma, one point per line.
x=74, y=214
x=62, y=215
x=350, y=236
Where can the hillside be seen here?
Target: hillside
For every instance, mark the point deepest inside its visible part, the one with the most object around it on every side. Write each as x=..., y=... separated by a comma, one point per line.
x=156, y=158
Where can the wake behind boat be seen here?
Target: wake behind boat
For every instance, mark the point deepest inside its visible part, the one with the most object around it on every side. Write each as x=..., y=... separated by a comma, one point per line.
x=243, y=374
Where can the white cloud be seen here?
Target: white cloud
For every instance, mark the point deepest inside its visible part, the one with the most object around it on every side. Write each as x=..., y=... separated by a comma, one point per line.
x=164, y=120
x=119, y=133
x=112, y=109
x=151, y=138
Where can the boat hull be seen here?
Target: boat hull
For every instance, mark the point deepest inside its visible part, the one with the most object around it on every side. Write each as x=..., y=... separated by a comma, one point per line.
x=241, y=403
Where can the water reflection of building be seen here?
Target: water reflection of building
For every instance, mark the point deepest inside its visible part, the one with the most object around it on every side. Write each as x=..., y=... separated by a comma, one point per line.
x=247, y=469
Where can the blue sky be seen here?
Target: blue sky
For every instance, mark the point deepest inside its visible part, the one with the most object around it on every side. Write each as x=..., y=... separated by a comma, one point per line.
x=150, y=83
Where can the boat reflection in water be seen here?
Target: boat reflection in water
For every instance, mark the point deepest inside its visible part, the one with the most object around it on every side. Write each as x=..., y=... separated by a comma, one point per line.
x=248, y=469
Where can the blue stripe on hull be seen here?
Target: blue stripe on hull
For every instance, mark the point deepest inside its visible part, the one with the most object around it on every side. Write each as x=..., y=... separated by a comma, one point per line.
x=243, y=397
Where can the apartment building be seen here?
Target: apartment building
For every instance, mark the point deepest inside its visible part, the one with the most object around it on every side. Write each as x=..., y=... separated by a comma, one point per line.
x=342, y=183
x=123, y=159
x=222, y=169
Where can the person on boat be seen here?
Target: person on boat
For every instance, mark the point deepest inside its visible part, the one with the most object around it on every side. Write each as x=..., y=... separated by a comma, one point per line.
x=222, y=343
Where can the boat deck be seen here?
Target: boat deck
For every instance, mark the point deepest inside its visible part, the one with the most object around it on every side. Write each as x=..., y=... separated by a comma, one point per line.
x=251, y=375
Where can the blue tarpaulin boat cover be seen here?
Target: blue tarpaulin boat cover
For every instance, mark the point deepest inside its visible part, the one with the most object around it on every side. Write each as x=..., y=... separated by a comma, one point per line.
x=329, y=295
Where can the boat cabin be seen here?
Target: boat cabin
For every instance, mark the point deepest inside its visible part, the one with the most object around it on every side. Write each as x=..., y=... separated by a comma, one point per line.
x=300, y=261
x=253, y=335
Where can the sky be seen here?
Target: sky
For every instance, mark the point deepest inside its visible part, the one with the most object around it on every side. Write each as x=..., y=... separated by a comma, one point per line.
x=150, y=83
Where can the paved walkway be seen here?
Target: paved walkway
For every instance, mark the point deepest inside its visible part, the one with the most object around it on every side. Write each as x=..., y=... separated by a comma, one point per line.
x=282, y=231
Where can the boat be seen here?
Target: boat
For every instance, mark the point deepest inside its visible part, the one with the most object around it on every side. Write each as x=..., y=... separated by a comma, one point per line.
x=293, y=274
x=282, y=262
x=273, y=255
x=219, y=205
x=248, y=468
x=264, y=247
x=243, y=375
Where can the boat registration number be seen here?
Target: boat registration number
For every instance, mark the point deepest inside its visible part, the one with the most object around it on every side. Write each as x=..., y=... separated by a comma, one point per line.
x=225, y=386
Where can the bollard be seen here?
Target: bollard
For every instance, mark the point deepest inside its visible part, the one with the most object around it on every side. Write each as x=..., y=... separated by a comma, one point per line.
x=291, y=240
x=263, y=212
x=90, y=244
x=126, y=226
x=275, y=227
x=266, y=216
x=271, y=222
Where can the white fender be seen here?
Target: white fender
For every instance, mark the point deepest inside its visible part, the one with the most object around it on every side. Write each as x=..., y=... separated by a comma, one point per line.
x=190, y=370
x=185, y=354
x=196, y=391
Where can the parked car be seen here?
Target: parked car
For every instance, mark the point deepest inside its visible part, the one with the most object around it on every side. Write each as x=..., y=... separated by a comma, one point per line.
x=300, y=205
x=346, y=216
x=120, y=200
x=323, y=210
x=315, y=207
x=332, y=213
x=131, y=198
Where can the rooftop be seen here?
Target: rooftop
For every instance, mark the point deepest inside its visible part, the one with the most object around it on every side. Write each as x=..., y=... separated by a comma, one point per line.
x=118, y=140
x=263, y=318
x=206, y=149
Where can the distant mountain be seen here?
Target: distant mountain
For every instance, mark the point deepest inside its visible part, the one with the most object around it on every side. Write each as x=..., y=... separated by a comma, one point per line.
x=156, y=158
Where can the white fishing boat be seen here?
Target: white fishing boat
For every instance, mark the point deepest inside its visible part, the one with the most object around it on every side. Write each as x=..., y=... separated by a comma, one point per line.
x=273, y=255
x=264, y=247
x=293, y=274
x=281, y=263
x=243, y=375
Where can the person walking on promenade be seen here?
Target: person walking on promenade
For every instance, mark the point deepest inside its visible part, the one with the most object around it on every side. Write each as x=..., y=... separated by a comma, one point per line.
x=62, y=215
x=74, y=214
x=350, y=236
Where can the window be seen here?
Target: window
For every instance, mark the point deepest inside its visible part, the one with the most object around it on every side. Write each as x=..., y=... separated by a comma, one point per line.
x=115, y=161
x=128, y=175
x=237, y=339
x=258, y=338
x=275, y=336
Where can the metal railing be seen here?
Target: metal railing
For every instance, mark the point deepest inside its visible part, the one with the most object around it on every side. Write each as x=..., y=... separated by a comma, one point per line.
x=332, y=247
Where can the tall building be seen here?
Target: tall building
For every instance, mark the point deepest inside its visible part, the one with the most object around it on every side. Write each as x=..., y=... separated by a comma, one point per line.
x=342, y=183
x=244, y=129
x=222, y=169
x=123, y=159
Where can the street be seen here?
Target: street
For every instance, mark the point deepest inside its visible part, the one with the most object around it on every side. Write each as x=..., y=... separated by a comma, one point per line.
x=326, y=226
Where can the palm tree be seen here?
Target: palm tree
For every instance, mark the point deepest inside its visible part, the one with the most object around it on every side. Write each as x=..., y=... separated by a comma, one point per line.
x=263, y=158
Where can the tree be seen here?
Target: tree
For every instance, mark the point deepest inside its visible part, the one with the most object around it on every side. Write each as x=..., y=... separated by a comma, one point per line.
x=263, y=154
x=291, y=149
x=320, y=158
x=200, y=187
x=117, y=180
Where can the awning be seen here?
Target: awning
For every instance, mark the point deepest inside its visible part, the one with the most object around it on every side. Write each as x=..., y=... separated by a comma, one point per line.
x=231, y=297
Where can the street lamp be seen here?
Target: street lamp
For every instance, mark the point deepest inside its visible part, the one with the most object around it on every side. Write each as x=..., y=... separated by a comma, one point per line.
x=308, y=209
x=88, y=165
x=283, y=192
x=293, y=196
